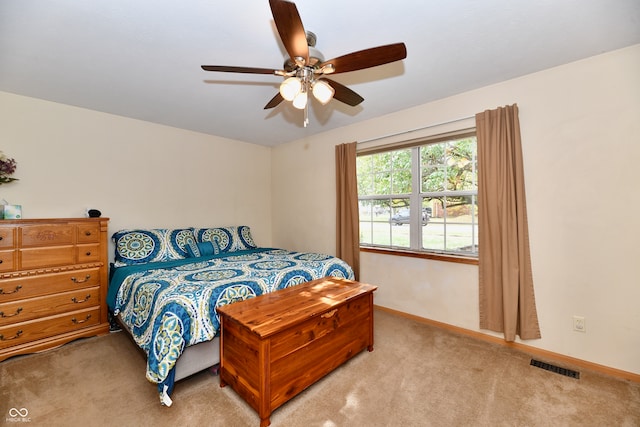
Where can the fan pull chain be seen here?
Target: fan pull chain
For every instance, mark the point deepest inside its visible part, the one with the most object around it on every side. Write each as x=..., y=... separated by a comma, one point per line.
x=306, y=114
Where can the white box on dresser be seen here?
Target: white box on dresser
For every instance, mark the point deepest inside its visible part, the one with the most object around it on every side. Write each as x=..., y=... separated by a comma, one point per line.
x=53, y=282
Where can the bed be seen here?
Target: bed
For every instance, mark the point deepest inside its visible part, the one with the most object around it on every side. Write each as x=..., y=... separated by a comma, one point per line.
x=165, y=286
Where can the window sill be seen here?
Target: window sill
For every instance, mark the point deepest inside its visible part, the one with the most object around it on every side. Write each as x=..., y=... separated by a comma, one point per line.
x=423, y=255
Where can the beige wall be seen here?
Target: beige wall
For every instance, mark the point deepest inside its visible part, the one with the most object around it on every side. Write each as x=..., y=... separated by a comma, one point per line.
x=580, y=125
x=137, y=173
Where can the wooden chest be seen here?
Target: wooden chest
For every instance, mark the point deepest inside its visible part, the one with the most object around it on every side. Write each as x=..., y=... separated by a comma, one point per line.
x=274, y=346
x=53, y=282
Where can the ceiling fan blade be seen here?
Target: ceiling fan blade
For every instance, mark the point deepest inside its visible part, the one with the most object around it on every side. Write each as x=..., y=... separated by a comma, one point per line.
x=368, y=58
x=247, y=70
x=289, y=25
x=343, y=93
x=274, y=101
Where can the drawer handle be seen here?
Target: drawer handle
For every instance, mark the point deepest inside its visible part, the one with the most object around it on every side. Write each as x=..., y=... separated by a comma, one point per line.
x=87, y=277
x=77, y=322
x=1, y=237
x=10, y=315
x=2, y=338
x=75, y=300
x=88, y=253
x=2, y=292
x=1, y=261
x=329, y=314
x=87, y=233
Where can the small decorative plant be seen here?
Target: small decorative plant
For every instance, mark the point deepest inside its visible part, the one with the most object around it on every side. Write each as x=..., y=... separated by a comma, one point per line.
x=7, y=168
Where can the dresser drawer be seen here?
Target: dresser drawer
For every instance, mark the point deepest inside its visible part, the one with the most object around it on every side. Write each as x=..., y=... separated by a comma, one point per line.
x=32, y=308
x=88, y=233
x=7, y=261
x=47, y=257
x=47, y=284
x=7, y=237
x=88, y=253
x=47, y=234
x=19, y=333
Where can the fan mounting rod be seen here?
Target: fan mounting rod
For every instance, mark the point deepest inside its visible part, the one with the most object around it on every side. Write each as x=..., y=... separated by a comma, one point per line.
x=315, y=56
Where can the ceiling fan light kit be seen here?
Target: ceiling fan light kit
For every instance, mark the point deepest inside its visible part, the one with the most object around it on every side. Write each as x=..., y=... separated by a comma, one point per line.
x=296, y=89
x=322, y=91
x=300, y=101
x=305, y=67
x=290, y=87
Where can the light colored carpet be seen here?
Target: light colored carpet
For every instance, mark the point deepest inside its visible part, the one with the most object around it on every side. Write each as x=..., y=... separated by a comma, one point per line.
x=417, y=375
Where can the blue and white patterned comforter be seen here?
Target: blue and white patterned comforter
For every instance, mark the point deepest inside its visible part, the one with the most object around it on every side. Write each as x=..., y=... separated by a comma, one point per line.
x=169, y=306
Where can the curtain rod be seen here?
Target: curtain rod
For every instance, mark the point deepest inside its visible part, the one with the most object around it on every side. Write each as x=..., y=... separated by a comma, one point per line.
x=416, y=129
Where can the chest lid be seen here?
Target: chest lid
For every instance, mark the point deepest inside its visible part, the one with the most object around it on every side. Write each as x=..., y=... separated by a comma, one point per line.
x=270, y=313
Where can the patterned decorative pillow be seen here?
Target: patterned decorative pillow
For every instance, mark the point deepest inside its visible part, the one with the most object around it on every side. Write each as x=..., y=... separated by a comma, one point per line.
x=192, y=249
x=200, y=249
x=151, y=245
x=229, y=239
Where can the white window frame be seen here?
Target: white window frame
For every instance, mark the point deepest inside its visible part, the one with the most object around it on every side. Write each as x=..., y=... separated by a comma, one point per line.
x=416, y=198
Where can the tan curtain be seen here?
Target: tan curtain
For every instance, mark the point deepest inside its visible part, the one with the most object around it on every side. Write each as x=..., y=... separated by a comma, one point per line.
x=347, y=220
x=507, y=301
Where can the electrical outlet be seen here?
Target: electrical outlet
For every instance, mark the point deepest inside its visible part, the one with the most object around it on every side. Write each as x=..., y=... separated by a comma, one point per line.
x=579, y=324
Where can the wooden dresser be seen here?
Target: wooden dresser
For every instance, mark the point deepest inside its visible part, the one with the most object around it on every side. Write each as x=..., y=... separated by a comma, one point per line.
x=275, y=345
x=53, y=282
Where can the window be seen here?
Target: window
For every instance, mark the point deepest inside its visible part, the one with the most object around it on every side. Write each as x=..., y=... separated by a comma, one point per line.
x=422, y=197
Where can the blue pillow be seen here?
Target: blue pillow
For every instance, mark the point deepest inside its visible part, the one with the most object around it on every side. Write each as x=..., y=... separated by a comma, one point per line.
x=228, y=239
x=192, y=249
x=208, y=248
x=141, y=246
x=200, y=249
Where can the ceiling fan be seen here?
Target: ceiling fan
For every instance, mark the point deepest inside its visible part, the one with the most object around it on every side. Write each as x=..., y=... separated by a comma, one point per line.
x=305, y=69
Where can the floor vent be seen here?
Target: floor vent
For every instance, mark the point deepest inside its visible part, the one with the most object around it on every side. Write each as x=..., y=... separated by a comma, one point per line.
x=556, y=369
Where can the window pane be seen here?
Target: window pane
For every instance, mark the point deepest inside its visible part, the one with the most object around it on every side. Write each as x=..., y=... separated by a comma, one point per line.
x=375, y=222
x=382, y=183
x=401, y=182
x=366, y=216
x=384, y=173
x=453, y=225
x=364, y=166
x=381, y=234
x=432, y=167
x=400, y=230
x=366, y=233
x=461, y=223
x=461, y=165
x=432, y=154
x=433, y=179
x=401, y=172
x=433, y=233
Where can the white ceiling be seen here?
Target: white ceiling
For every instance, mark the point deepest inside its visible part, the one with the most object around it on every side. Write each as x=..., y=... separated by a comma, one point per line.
x=142, y=58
